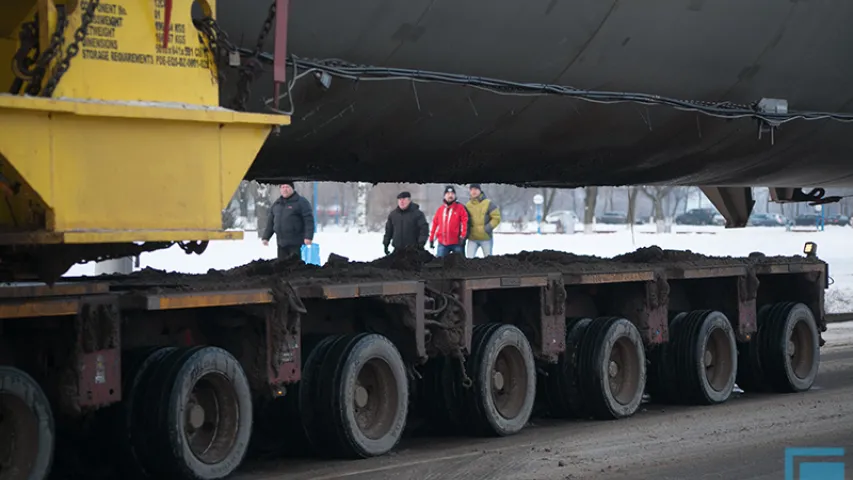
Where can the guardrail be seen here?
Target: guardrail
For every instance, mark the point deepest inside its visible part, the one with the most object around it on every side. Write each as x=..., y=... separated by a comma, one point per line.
x=839, y=317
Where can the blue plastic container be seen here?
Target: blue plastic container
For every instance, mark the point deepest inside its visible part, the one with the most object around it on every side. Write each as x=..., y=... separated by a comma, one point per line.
x=311, y=254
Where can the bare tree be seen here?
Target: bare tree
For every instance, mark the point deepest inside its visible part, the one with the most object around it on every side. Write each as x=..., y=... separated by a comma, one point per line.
x=679, y=197
x=263, y=201
x=548, y=194
x=361, y=207
x=506, y=197
x=657, y=195
x=632, y=204
x=608, y=205
x=589, y=208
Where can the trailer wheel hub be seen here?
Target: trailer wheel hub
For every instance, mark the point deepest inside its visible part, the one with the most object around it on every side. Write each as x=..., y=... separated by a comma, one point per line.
x=613, y=369
x=196, y=416
x=498, y=380
x=361, y=396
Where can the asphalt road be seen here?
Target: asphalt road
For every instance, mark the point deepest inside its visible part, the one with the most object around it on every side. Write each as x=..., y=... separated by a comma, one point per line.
x=742, y=439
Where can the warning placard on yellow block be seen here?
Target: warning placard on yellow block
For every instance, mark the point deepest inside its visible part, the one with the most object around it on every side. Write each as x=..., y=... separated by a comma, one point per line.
x=125, y=56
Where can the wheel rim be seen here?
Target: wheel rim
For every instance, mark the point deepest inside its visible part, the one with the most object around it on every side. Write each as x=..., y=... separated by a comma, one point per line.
x=623, y=371
x=211, y=418
x=375, y=398
x=716, y=360
x=801, y=350
x=509, y=382
x=18, y=438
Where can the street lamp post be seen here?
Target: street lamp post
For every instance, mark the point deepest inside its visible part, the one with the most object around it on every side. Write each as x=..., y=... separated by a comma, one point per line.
x=538, y=200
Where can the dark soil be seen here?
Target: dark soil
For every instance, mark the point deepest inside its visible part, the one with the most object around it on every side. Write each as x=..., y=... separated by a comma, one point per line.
x=414, y=264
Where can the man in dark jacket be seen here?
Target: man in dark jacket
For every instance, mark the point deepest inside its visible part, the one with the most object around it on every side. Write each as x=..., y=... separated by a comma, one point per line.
x=291, y=219
x=406, y=225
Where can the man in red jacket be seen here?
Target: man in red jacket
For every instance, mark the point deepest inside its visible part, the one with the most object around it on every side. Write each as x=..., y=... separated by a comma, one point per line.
x=449, y=225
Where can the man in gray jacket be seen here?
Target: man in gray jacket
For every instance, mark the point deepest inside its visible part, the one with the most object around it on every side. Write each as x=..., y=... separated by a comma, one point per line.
x=291, y=219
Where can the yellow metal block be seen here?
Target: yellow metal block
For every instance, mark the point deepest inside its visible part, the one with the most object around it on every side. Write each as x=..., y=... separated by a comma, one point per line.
x=132, y=146
x=118, y=172
x=124, y=58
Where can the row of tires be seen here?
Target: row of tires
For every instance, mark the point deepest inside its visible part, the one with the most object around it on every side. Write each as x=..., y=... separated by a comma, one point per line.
x=188, y=412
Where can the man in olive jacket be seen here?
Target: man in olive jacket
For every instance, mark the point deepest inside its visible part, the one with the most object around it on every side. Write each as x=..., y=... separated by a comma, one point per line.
x=406, y=225
x=483, y=218
x=291, y=219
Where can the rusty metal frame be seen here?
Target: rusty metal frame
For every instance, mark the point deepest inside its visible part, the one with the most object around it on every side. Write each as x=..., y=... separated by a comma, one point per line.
x=656, y=313
x=283, y=350
x=262, y=296
x=595, y=278
x=420, y=328
x=747, y=313
x=97, y=352
x=550, y=339
x=282, y=14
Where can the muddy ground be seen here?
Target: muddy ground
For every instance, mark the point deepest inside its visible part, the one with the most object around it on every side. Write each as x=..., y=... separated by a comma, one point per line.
x=742, y=439
x=414, y=264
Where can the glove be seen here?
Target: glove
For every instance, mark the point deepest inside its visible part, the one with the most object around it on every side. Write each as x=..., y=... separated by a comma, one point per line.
x=432, y=244
x=387, y=252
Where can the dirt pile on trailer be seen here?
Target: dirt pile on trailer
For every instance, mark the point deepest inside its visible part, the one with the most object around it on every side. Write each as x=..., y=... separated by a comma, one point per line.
x=410, y=259
x=419, y=264
x=655, y=255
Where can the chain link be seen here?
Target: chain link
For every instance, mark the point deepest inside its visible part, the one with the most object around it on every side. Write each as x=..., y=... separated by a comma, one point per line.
x=73, y=48
x=32, y=71
x=253, y=66
x=218, y=43
x=219, y=46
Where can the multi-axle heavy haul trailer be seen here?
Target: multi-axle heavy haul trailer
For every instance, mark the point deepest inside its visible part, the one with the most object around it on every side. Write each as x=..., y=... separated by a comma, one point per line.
x=113, y=142
x=175, y=375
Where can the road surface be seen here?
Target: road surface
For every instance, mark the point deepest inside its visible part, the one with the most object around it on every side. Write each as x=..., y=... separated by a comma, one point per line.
x=742, y=439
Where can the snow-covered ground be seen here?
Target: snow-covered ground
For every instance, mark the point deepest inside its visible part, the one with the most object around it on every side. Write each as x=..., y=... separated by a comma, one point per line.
x=834, y=246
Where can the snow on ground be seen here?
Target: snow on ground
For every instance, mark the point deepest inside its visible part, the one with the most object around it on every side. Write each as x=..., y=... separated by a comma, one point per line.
x=833, y=247
x=838, y=335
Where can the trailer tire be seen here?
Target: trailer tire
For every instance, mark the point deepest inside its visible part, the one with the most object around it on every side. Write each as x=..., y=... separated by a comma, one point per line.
x=279, y=428
x=612, y=348
x=660, y=376
x=500, y=355
x=213, y=380
x=700, y=337
x=790, y=348
x=750, y=373
x=26, y=413
x=441, y=395
x=365, y=394
x=137, y=367
x=562, y=383
x=309, y=394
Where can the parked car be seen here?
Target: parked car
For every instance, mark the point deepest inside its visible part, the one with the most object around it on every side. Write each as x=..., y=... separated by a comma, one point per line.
x=564, y=219
x=838, y=219
x=612, y=218
x=767, y=220
x=697, y=216
x=807, y=220
x=719, y=220
x=553, y=217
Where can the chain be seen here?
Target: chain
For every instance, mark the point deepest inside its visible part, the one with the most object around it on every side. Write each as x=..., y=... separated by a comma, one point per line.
x=218, y=43
x=22, y=63
x=253, y=65
x=33, y=71
x=73, y=48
